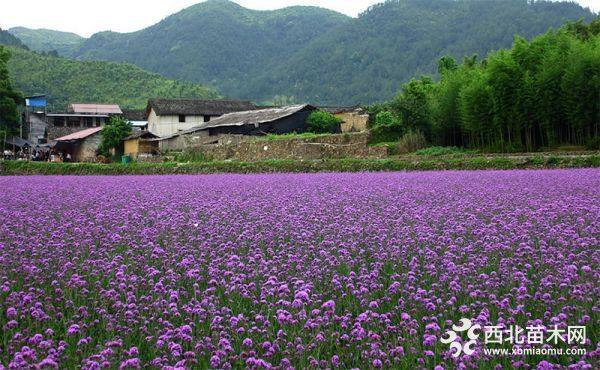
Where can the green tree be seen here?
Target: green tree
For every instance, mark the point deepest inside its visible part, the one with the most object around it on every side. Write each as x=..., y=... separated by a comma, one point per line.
x=543, y=92
x=386, y=127
x=113, y=134
x=446, y=119
x=476, y=112
x=9, y=99
x=320, y=122
x=581, y=93
x=412, y=105
x=446, y=64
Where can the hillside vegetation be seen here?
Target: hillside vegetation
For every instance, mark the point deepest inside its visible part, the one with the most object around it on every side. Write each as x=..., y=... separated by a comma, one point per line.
x=8, y=39
x=64, y=43
x=369, y=58
x=540, y=93
x=320, y=56
x=65, y=80
x=9, y=97
x=216, y=42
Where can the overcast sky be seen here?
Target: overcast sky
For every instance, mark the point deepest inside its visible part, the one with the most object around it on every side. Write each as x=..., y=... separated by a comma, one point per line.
x=86, y=17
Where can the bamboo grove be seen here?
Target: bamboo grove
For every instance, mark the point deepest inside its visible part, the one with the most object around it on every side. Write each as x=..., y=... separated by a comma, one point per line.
x=540, y=93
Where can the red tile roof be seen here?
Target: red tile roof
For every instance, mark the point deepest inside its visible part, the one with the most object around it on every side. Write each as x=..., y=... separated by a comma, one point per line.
x=80, y=134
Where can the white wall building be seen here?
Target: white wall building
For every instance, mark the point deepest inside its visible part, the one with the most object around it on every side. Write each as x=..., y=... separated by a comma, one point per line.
x=170, y=116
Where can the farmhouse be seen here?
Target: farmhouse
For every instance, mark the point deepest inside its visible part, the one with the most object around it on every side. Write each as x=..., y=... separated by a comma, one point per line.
x=233, y=126
x=140, y=144
x=81, y=145
x=169, y=116
x=79, y=116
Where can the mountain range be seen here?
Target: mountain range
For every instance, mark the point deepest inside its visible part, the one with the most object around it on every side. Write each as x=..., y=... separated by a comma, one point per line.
x=313, y=54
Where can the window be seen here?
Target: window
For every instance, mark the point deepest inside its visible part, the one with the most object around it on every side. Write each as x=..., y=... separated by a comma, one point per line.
x=206, y=118
x=89, y=122
x=181, y=118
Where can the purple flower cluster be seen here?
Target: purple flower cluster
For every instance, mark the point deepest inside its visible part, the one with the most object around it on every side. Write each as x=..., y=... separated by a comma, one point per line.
x=293, y=271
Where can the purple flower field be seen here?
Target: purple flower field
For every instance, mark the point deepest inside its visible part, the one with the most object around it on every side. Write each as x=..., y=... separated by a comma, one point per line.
x=293, y=271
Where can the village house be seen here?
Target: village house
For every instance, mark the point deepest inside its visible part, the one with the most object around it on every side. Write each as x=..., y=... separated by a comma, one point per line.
x=78, y=117
x=233, y=126
x=170, y=116
x=82, y=145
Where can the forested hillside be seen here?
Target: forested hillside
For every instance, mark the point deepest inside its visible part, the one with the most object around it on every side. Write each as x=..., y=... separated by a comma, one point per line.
x=540, y=93
x=216, y=42
x=65, y=80
x=321, y=56
x=8, y=39
x=9, y=97
x=47, y=40
x=368, y=59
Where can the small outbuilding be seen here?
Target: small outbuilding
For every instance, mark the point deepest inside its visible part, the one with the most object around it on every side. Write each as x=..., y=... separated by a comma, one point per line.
x=140, y=144
x=81, y=145
x=280, y=120
x=354, y=119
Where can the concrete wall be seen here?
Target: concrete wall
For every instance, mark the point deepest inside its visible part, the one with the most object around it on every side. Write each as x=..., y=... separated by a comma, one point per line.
x=36, y=128
x=331, y=146
x=353, y=121
x=169, y=125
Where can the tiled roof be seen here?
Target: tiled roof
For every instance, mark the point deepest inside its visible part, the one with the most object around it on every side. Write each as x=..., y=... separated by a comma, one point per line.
x=141, y=135
x=197, y=107
x=135, y=114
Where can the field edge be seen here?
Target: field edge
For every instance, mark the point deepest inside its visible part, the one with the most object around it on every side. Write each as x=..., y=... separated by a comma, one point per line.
x=15, y=168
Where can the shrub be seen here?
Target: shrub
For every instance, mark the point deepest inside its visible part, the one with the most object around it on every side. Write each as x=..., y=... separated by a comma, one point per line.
x=386, y=127
x=191, y=156
x=411, y=142
x=444, y=150
x=320, y=122
x=593, y=143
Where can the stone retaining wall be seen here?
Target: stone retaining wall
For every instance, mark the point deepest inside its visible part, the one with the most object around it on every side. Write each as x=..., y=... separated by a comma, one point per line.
x=322, y=147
